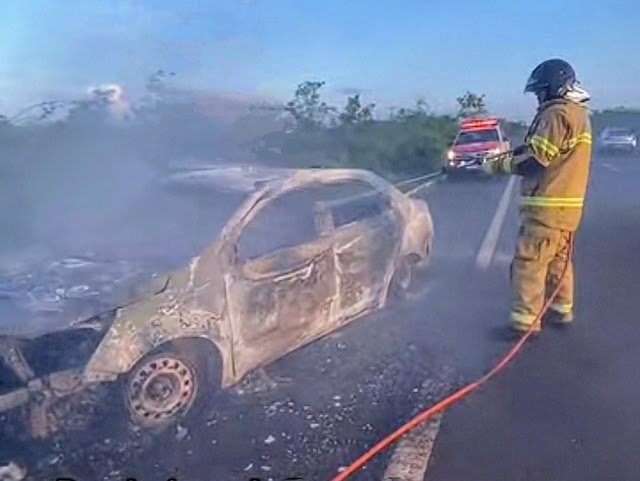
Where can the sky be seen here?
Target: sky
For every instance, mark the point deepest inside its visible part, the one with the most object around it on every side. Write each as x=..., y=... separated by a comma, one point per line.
x=393, y=51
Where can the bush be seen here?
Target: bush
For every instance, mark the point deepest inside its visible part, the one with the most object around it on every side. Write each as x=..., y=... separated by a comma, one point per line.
x=410, y=141
x=616, y=117
x=304, y=132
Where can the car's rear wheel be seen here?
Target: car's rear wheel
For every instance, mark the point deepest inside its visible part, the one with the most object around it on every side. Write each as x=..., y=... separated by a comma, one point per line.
x=405, y=280
x=167, y=386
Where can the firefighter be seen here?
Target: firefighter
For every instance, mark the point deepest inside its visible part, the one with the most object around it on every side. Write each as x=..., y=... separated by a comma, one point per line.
x=553, y=164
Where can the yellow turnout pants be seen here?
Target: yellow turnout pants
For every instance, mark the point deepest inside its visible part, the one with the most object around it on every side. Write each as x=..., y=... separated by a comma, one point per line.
x=539, y=261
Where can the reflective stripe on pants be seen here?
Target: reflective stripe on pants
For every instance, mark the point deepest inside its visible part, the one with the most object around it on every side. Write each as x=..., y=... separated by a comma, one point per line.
x=562, y=308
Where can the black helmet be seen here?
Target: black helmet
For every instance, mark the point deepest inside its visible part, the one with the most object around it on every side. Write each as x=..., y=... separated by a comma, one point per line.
x=551, y=79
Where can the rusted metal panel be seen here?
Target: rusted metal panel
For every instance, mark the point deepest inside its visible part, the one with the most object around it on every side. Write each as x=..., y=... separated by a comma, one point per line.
x=268, y=307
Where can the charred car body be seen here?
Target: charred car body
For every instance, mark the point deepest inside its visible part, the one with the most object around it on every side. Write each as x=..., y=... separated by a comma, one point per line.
x=477, y=140
x=305, y=252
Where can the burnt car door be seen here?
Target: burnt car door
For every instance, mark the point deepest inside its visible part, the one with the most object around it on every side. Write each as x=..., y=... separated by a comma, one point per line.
x=282, y=284
x=367, y=234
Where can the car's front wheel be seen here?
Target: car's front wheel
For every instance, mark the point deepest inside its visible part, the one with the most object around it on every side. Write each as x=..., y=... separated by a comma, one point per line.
x=167, y=386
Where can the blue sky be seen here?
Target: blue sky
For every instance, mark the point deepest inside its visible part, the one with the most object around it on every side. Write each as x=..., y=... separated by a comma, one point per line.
x=394, y=51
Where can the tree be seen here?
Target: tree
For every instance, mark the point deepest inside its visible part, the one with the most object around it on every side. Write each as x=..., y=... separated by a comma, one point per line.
x=306, y=107
x=38, y=112
x=355, y=113
x=158, y=86
x=471, y=105
x=157, y=90
x=158, y=81
x=403, y=114
x=91, y=111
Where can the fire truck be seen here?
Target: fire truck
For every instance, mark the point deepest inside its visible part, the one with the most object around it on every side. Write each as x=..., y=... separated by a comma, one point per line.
x=477, y=139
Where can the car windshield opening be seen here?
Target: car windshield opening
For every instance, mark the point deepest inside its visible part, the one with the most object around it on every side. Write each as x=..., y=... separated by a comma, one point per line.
x=477, y=136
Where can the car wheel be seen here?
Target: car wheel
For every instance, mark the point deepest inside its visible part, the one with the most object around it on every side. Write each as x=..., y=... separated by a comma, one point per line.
x=167, y=386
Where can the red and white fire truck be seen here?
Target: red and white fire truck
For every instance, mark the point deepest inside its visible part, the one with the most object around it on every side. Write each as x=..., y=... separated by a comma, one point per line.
x=477, y=140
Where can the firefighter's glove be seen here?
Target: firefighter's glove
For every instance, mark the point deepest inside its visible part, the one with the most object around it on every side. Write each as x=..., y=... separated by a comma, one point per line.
x=520, y=150
x=501, y=165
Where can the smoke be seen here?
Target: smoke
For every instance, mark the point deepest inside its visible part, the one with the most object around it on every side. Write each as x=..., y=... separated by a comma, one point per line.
x=66, y=184
x=118, y=104
x=88, y=181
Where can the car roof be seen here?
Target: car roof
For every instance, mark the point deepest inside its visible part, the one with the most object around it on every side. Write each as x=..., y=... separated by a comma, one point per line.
x=618, y=129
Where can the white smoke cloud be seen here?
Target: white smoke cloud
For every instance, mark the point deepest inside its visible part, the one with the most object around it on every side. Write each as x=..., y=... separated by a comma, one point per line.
x=118, y=103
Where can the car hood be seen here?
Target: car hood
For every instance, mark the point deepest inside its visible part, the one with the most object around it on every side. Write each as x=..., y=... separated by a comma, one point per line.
x=56, y=294
x=89, y=267
x=245, y=178
x=475, y=147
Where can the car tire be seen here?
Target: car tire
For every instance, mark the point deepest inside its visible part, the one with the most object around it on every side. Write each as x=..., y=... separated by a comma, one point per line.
x=173, y=384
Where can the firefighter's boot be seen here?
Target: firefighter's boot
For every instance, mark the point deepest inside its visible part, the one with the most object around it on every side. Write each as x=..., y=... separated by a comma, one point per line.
x=559, y=319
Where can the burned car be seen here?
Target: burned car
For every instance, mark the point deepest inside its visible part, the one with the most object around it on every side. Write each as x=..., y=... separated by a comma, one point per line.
x=228, y=288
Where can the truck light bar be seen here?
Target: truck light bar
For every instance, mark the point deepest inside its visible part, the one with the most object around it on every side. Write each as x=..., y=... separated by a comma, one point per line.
x=478, y=124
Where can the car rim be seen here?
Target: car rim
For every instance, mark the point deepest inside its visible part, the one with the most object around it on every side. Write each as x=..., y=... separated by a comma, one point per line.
x=160, y=389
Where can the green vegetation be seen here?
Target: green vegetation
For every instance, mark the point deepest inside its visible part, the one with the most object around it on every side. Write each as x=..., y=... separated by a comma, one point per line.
x=409, y=141
x=616, y=117
x=471, y=105
x=167, y=124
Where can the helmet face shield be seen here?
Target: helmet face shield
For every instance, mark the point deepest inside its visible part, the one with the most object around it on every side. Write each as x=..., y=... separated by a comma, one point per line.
x=530, y=86
x=536, y=87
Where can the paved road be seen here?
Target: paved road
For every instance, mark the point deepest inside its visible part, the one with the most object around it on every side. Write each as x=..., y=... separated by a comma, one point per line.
x=321, y=407
x=565, y=410
x=315, y=410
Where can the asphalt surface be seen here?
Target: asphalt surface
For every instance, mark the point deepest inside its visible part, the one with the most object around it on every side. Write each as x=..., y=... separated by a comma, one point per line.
x=563, y=410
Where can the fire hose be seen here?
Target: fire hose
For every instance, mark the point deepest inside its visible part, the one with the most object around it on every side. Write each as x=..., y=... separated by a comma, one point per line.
x=459, y=395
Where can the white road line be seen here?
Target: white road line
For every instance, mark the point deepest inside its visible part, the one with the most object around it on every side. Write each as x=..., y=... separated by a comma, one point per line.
x=416, y=179
x=490, y=241
x=421, y=186
x=411, y=456
x=502, y=258
x=611, y=167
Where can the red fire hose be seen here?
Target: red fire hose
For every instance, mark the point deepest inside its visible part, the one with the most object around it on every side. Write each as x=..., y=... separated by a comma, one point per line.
x=458, y=395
